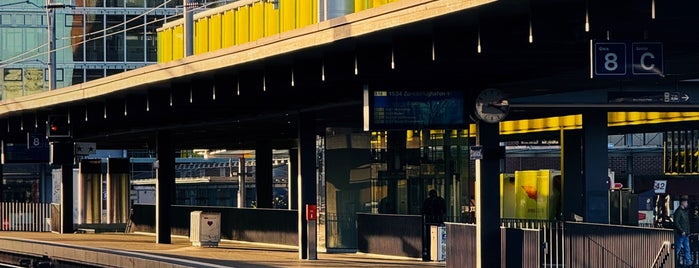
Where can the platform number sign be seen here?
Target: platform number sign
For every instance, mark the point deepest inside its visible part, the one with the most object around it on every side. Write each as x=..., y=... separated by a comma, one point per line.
x=621, y=59
x=610, y=59
x=659, y=186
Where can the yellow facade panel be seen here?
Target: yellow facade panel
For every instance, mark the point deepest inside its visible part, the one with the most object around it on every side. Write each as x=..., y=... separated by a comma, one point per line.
x=201, y=35
x=228, y=29
x=271, y=19
x=215, y=33
x=242, y=25
x=288, y=15
x=257, y=21
x=306, y=13
x=178, y=42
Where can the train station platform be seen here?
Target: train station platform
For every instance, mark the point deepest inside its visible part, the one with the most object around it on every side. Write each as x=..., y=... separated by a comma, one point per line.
x=140, y=250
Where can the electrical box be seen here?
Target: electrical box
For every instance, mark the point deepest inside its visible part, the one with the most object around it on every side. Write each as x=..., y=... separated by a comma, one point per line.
x=205, y=229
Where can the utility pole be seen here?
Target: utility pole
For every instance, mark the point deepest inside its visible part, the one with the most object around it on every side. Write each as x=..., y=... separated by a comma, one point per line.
x=189, y=5
x=51, y=23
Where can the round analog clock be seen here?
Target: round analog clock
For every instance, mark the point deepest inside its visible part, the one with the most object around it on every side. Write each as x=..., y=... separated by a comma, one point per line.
x=491, y=106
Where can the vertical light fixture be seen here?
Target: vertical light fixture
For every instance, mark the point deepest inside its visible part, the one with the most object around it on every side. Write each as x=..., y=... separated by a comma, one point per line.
x=264, y=82
x=478, y=47
x=591, y=60
x=213, y=91
x=85, y=113
x=393, y=59
x=322, y=71
x=434, y=56
x=147, y=103
x=191, y=98
x=365, y=108
x=292, y=77
x=36, y=121
x=21, y=124
x=238, y=87
x=587, y=18
x=170, y=99
x=356, y=68
x=105, y=110
x=126, y=109
x=652, y=9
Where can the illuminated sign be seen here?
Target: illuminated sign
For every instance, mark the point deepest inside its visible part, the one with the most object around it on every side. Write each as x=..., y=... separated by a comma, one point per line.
x=416, y=109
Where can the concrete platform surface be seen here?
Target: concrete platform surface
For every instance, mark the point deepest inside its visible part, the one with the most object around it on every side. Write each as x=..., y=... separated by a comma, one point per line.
x=181, y=253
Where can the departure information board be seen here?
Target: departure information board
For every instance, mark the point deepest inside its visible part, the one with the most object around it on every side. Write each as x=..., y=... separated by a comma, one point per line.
x=416, y=109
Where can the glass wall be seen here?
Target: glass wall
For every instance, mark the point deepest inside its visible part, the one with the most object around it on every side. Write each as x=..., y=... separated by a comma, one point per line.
x=391, y=172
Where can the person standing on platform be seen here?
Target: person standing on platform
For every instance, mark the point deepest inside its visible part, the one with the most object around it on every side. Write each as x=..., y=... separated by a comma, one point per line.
x=681, y=220
x=434, y=208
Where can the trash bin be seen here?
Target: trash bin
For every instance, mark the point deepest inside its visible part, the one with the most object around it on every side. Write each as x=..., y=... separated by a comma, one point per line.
x=205, y=229
x=438, y=245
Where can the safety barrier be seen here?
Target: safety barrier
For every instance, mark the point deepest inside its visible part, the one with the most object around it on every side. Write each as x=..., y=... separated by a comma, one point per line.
x=31, y=217
x=249, y=20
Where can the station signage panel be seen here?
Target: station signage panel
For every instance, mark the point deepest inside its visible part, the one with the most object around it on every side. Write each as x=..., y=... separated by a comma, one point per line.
x=402, y=109
x=622, y=59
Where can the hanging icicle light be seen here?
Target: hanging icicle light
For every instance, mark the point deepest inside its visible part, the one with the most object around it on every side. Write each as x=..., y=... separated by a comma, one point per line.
x=652, y=9
x=264, y=82
x=21, y=124
x=238, y=88
x=85, y=114
x=147, y=103
x=213, y=91
x=356, y=68
x=434, y=56
x=170, y=99
x=36, y=121
x=191, y=99
x=322, y=71
x=105, y=111
x=393, y=60
x=126, y=110
x=292, y=78
x=478, y=48
x=587, y=19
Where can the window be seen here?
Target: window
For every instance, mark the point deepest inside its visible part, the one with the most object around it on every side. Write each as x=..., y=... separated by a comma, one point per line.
x=12, y=74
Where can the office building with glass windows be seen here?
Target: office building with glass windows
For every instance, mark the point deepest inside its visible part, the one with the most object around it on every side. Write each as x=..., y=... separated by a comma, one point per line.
x=94, y=39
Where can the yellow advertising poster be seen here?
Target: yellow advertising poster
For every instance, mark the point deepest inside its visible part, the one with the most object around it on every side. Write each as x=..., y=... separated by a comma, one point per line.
x=534, y=195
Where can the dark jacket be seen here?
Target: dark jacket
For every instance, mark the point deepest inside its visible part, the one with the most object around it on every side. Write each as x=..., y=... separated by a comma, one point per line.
x=681, y=219
x=433, y=208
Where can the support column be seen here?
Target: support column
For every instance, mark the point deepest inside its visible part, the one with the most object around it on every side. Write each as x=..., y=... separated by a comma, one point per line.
x=572, y=169
x=487, y=196
x=242, y=188
x=293, y=178
x=263, y=175
x=165, y=186
x=90, y=191
x=67, y=198
x=118, y=188
x=307, y=177
x=595, y=170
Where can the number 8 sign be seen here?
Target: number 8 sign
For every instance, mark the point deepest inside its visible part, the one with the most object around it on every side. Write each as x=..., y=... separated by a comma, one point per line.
x=609, y=59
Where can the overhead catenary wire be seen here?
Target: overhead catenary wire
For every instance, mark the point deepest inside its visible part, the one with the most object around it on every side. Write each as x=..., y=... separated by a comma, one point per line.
x=20, y=58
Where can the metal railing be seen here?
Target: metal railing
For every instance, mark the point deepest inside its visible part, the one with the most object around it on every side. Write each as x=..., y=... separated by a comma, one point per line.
x=32, y=217
x=552, y=237
x=661, y=258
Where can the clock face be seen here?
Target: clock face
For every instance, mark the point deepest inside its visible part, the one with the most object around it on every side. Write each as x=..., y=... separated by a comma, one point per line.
x=491, y=106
